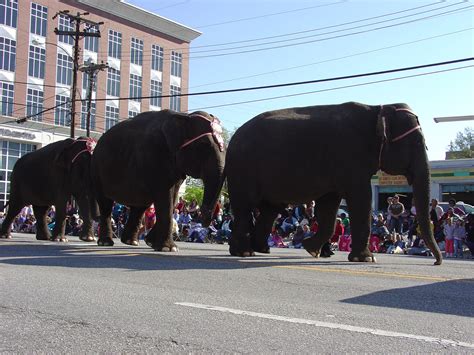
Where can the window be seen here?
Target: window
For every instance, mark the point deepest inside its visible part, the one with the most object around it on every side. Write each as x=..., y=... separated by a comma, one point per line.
x=64, y=69
x=156, y=58
x=61, y=113
x=84, y=116
x=6, y=99
x=156, y=89
x=175, y=101
x=132, y=114
x=34, y=104
x=111, y=117
x=135, y=87
x=9, y=154
x=115, y=44
x=136, y=54
x=8, y=12
x=113, y=82
x=7, y=54
x=65, y=24
x=39, y=19
x=91, y=43
x=36, y=62
x=176, y=63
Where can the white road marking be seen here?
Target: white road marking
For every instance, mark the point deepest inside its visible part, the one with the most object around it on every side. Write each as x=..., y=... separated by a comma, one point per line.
x=344, y=327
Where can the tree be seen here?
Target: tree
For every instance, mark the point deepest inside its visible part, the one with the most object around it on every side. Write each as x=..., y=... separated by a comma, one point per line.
x=463, y=146
x=194, y=192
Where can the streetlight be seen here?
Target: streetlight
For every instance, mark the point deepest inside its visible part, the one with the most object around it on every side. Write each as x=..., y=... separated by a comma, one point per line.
x=453, y=119
x=36, y=42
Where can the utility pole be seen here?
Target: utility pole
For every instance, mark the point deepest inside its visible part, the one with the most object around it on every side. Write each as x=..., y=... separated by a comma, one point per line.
x=77, y=34
x=91, y=70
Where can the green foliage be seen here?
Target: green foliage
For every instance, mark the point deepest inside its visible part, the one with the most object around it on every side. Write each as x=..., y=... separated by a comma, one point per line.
x=194, y=192
x=462, y=146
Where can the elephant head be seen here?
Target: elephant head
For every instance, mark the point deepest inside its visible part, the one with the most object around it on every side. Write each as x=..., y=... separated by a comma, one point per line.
x=403, y=152
x=197, y=143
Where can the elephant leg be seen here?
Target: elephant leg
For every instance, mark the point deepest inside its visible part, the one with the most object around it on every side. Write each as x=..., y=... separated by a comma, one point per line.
x=13, y=210
x=240, y=241
x=326, y=207
x=159, y=237
x=59, y=229
x=263, y=228
x=359, y=204
x=87, y=232
x=105, y=225
x=42, y=231
x=130, y=232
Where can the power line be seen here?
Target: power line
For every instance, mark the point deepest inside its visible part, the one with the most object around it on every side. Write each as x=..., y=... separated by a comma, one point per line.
x=328, y=38
x=333, y=59
x=295, y=83
x=353, y=76
x=332, y=89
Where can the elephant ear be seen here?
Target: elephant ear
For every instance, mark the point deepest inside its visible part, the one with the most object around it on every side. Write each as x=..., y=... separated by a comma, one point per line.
x=385, y=123
x=62, y=157
x=175, y=130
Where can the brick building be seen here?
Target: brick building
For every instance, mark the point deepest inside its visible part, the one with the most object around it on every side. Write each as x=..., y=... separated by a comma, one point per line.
x=146, y=54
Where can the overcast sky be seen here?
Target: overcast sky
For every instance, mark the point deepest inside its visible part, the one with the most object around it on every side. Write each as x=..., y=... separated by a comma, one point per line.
x=313, y=40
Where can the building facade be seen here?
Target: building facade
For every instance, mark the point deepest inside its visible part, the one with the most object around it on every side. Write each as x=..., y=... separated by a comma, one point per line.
x=147, y=55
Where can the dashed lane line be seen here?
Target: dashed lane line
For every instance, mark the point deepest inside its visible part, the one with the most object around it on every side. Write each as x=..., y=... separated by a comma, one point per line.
x=344, y=327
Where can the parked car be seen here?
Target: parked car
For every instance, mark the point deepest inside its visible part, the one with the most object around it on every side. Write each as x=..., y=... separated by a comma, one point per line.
x=466, y=208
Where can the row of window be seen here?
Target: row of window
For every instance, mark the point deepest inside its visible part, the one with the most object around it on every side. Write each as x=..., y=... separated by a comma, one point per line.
x=35, y=99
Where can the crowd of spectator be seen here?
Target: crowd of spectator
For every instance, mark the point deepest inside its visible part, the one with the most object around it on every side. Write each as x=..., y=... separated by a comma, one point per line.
x=392, y=231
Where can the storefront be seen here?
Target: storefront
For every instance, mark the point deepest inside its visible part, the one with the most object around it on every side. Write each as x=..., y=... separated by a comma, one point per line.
x=15, y=143
x=449, y=179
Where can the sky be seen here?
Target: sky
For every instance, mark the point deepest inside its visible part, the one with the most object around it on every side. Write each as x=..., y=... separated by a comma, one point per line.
x=248, y=43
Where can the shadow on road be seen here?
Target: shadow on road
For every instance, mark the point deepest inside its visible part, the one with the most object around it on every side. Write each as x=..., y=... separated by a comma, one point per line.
x=448, y=297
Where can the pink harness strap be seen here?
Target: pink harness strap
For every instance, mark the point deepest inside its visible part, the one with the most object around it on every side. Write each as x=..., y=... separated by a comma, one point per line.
x=216, y=132
x=90, y=145
x=403, y=135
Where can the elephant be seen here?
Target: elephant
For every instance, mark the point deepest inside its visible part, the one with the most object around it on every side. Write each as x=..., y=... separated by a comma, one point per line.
x=145, y=159
x=49, y=176
x=323, y=153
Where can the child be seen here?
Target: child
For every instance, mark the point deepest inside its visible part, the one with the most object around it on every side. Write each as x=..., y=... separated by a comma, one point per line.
x=449, y=237
x=459, y=235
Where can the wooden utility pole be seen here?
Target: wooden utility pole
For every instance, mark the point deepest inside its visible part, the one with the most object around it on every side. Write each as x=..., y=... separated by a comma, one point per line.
x=91, y=70
x=77, y=34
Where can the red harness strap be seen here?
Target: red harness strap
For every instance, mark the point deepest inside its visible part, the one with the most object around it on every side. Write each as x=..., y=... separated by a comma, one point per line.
x=90, y=145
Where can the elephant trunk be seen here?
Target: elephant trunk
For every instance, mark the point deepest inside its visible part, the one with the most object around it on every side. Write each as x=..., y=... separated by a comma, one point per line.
x=421, y=194
x=212, y=186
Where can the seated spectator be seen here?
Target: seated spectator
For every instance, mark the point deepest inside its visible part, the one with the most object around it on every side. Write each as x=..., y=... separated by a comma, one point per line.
x=197, y=233
x=181, y=205
x=338, y=231
x=275, y=240
x=193, y=208
x=150, y=218
x=346, y=223
x=419, y=248
x=289, y=224
x=184, y=220
x=176, y=215
x=224, y=233
x=301, y=233
x=379, y=227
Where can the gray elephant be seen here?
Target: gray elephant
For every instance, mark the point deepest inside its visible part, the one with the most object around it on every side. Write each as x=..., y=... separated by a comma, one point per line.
x=145, y=160
x=49, y=176
x=323, y=153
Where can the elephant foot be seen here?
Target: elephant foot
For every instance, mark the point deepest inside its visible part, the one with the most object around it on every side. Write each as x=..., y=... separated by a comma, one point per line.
x=6, y=236
x=364, y=257
x=105, y=242
x=260, y=246
x=166, y=247
x=312, y=246
x=241, y=248
x=60, y=239
x=43, y=237
x=132, y=242
x=87, y=238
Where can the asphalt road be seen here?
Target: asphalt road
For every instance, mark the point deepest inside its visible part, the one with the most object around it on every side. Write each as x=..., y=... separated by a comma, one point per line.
x=81, y=298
